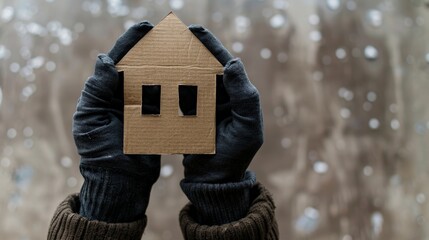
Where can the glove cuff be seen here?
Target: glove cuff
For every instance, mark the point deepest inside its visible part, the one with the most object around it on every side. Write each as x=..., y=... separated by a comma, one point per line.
x=218, y=204
x=112, y=196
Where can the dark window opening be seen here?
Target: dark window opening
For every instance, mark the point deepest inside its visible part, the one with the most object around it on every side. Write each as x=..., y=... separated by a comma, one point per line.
x=151, y=99
x=119, y=94
x=188, y=100
x=222, y=96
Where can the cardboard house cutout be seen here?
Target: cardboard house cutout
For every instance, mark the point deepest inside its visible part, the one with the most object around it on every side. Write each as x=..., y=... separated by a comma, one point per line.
x=169, y=57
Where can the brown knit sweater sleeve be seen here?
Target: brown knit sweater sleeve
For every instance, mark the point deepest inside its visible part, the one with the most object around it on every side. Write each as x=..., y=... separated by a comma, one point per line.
x=259, y=224
x=68, y=224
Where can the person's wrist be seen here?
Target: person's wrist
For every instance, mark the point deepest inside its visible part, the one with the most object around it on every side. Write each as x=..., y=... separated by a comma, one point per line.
x=113, y=195
x=219, y=168
x=220, y=203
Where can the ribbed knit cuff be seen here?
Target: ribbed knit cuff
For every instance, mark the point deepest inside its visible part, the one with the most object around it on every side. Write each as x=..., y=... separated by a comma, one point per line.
x=258, y=224
x=112, y=196
x=68, y=224
x=217, y=204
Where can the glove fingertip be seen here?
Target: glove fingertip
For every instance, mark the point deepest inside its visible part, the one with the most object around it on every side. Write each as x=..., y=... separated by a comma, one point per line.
x=211, y=43
x=143, y=25
x=237, y=83
x=106, y=59
x=196, y=28
x=233, y=65
x=129, y=39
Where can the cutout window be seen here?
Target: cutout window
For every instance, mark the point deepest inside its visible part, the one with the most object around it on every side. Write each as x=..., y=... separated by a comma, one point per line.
x=188, y=100
x=151, y=99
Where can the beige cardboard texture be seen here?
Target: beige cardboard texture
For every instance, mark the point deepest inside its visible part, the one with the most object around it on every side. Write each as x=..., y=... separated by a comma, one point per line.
x=169, y=55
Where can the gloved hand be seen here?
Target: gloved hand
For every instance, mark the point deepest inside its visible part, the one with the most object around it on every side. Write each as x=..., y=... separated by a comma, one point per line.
x=218, y=185
x=117, y=186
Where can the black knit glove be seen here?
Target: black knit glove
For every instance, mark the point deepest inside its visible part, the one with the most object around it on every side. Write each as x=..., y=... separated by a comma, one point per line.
x=218, y=185
x=116, y=186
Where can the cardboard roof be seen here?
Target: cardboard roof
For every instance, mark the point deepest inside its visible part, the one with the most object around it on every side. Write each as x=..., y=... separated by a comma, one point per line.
x=169, y=55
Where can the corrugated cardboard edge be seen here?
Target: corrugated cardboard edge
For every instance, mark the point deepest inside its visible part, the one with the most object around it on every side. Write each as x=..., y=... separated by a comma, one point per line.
x=217, y=70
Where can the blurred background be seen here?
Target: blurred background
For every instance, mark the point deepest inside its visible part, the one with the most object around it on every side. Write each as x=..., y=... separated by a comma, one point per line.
x=344, y=86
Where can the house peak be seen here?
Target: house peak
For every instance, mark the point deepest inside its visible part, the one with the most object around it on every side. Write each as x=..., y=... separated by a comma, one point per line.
x=171, y=18
x=171, y=44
